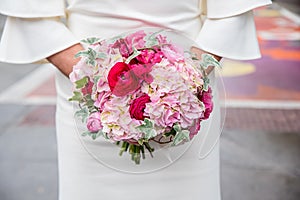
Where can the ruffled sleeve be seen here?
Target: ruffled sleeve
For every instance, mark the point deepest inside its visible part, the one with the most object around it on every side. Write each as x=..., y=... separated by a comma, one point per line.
x=33, y=30
x=229, y=28
x=32, y=8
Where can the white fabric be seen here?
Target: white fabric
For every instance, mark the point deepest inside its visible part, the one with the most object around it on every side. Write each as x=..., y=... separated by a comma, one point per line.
x=32, y=8
x=27, y=40
x=81, y=176
x=233, y=44
x=225, y=8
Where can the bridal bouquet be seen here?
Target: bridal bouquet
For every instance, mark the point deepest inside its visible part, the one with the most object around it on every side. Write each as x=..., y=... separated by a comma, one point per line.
x=141, y=88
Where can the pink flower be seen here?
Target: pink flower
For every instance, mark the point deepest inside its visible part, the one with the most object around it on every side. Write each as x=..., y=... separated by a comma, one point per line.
x=126, y=45
x=122, y=80
x=142, y=72
x=138, y=106
x=149, y=56
x=123, y=47
x=94, y=122
x=102, y=98
x=136, y=39
x=88, y=88
x=206, y=98
x=173, y=53
x=195, y=128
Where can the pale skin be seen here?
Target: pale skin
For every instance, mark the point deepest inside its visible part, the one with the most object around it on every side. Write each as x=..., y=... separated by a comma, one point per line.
x=65, y=59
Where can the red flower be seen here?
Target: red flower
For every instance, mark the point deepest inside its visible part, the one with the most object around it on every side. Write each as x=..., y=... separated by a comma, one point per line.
x=206, y=98
x=138, y=106
x=122, y=80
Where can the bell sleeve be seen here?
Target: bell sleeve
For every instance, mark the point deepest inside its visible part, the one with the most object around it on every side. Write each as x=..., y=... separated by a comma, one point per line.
x=229, y=29
x=33, y=30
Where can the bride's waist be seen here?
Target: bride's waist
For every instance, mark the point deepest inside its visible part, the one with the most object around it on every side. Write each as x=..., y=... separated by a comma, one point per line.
x=85, y=25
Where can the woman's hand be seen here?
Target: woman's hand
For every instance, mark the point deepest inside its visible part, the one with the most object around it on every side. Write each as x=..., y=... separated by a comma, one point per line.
x=199, y=52
x=65, y=59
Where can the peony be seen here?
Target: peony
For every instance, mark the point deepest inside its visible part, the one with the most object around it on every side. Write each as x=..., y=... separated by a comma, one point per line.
x=206, y=98
x=122, y=80
x=94, y=122
x=138, y=106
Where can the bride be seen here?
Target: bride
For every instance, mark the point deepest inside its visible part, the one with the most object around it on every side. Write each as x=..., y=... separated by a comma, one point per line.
x=52, y=30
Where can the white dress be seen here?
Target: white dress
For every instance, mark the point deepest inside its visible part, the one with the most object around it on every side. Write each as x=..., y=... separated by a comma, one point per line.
x=34, y=31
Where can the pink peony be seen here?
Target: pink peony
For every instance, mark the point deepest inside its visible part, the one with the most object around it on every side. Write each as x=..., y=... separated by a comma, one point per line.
x=206, y=98
x=94, y=122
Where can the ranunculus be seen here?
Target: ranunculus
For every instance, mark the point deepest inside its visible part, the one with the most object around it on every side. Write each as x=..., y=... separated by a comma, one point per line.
x=138, y=106
x=94, y=122
x=122, y=80
x=206, y=98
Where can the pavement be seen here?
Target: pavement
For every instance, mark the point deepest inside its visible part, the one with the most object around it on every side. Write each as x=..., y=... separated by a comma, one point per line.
x=260, y=143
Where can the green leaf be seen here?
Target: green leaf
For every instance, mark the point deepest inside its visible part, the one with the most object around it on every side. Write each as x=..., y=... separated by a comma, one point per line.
x=91, y=40
x=77, y=96
x=147, y=128
x=151, y=39
x=83, y=113
x=181, y=135
x=101, y=55
x=85, y=133
x=172, y=132
x=209, y=60
x=96, y=135
x=82, y=82
x=90, y=54
x=205, y=83
x=82, y=54
x=133, y=55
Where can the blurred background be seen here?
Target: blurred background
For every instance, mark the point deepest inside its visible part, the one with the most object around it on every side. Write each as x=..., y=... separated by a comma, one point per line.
x=260, y=143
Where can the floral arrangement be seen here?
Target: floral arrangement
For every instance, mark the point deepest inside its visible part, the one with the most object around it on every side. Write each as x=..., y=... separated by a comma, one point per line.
x=141, y=88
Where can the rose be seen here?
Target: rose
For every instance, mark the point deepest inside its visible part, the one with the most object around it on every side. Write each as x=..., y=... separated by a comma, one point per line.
x=138, y=106
x=121, y=79
x=94, y=122
x=206, y=98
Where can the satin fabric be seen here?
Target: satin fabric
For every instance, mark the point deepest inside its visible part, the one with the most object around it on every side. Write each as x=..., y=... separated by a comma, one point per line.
x=190, y=172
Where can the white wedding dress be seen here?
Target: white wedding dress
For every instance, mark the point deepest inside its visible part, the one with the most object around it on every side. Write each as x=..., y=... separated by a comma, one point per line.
x=92, y=170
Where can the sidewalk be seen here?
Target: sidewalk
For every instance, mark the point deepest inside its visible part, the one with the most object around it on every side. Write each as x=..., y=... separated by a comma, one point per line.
x=260, y=144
